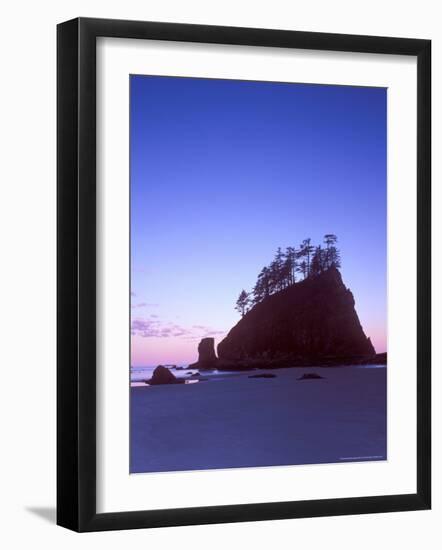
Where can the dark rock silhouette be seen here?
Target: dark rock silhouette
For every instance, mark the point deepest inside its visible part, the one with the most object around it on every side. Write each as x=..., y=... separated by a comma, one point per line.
x=310, y=376
x=206, y=355
x=264, y=375
x=378, y=359
x=313, y=322
x=162, y=375
x=242, y=365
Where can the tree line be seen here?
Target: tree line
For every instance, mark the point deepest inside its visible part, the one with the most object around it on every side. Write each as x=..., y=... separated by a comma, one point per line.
x=289, y=267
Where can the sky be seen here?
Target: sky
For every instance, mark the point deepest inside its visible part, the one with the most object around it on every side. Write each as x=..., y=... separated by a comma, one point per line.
x=222, y=172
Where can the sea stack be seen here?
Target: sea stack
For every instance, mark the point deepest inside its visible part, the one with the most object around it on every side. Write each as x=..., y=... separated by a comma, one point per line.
x=313, y=322
x=162, y=375
x=207, y=359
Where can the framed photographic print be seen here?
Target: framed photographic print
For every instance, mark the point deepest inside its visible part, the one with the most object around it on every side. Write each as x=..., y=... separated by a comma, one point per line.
x=243, y=274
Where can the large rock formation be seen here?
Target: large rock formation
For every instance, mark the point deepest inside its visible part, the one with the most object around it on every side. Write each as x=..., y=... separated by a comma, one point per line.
x=312, y=322
x=206, y=355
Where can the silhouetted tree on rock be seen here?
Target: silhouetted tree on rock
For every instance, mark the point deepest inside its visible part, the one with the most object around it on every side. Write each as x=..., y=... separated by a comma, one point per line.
x=332, y=256
x=243, y=302
x=307, y=260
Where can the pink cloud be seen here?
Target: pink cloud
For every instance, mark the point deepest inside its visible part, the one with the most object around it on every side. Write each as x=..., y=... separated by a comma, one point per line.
x=153, y=327
x=207, y=330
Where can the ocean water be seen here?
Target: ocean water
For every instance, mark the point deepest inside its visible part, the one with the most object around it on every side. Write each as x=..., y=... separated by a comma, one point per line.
x=141, y=374
x=138, y=375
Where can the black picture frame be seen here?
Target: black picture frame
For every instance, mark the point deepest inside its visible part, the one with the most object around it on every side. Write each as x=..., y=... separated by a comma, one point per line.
x=76, y=274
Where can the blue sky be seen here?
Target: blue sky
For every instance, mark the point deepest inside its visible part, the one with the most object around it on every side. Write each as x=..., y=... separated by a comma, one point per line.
x=222, y=173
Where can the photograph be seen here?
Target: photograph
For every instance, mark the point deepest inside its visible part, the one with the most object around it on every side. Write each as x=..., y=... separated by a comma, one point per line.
x=258, y=274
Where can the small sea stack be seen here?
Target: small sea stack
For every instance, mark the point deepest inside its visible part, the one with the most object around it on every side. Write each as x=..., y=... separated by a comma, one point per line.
x=207, y=359
x=162, y=375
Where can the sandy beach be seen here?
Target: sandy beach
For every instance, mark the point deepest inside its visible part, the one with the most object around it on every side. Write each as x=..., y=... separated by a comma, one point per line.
x=233, y=421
